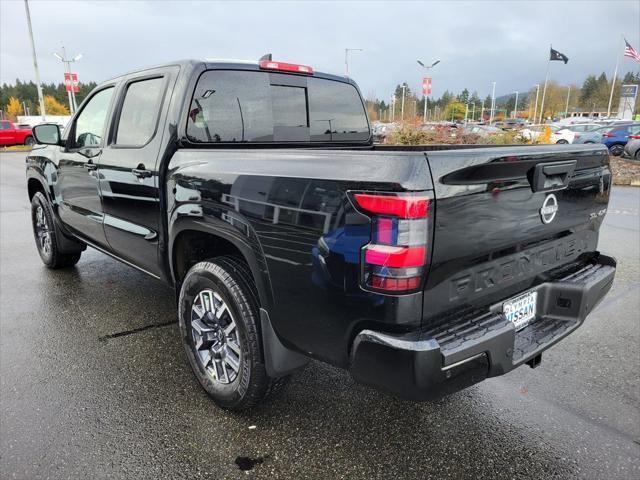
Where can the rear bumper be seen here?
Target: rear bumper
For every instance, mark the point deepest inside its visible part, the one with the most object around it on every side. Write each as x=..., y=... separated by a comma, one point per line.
x=426, y=365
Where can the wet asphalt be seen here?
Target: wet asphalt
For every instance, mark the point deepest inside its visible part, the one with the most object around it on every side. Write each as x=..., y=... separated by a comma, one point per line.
x=94, y=384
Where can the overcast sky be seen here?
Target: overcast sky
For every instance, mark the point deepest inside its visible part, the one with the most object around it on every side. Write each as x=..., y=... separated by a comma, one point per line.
x=477, y=42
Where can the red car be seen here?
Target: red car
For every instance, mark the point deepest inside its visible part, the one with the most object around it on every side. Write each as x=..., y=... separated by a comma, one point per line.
x=12, y=135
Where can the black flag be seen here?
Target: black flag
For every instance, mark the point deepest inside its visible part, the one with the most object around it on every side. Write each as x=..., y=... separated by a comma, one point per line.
x=556, y=55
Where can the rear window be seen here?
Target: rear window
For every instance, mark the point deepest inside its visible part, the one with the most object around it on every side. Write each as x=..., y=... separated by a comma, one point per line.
x=241, y=106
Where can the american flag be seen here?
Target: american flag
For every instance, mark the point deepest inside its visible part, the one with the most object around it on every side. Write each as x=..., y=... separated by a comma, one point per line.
x=629, y=51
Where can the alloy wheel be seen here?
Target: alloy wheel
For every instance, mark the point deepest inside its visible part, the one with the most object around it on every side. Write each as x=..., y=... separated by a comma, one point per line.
x=42, y=231
x=215, y=337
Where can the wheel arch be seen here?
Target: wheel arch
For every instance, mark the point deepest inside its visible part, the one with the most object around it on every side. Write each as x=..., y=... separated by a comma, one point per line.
x=35, y=185
x=192, y=242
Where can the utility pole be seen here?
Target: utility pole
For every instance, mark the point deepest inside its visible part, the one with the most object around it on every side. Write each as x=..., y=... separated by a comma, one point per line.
x=404, y=87
x=566, y=110
x=535, y=110
x=393, y=108
x=493, y=103
x=346, y=57
x=43, y=113
x=466, y=112
x=473, y=112
x=515, y=108
x=67, y=63
x=482, y=111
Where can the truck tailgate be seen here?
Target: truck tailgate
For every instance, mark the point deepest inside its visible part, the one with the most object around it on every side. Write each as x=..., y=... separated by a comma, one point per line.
x=497, y=229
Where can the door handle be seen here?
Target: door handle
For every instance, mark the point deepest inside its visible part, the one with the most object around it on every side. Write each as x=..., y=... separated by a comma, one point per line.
x=141, y=173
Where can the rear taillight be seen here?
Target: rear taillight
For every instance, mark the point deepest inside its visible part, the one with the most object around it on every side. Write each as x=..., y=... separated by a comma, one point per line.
x=285, y=67
x=608, y=135
x=634, y=137
x=395, y=259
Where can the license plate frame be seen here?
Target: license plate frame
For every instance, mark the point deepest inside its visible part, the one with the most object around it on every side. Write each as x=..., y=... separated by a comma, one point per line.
x=521, y=310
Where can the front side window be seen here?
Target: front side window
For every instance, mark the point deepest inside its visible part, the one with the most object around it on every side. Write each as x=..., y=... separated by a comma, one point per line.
x=89, y=126
x=140, y=110
x=247, y=106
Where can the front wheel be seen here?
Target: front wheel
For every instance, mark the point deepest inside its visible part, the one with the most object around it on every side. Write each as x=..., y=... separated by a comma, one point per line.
x=45, y=235
x=616, y=150
x=219, y=324
x=562, y=141
x=29, y=141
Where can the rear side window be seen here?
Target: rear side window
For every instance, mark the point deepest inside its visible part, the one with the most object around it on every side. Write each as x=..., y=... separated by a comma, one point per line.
x=245, y=106
x=140, y=110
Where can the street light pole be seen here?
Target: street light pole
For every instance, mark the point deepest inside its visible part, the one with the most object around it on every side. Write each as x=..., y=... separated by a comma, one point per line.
x=346, y=57
x=67, y=63
x=402, y=108
x=493, y=102
x=535, y=110
x=35, y=61
x=566, y=110
x=515, y=108
x=425, y=97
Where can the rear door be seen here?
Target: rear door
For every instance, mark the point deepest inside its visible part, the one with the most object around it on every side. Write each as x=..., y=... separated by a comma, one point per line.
x=129, y=169
x=77, y=186
x=507, y=216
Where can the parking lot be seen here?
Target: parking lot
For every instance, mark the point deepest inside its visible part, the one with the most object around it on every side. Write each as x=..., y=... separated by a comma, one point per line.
x=94, y=384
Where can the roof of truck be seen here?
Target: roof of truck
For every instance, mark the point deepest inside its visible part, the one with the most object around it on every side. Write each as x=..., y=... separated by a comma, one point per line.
x=215, y=63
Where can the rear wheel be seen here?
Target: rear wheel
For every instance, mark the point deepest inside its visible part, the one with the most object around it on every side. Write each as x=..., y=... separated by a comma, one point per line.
x=29, y=141
x=219, y=323
x=562, y=141
x=637, y=155
x=616, y=150
x=45, y=235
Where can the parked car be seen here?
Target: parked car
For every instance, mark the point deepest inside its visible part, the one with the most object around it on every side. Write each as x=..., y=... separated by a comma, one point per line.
x=254, y=190
x=632, y=148
x=593, y=136
x=11, y=134
x=513, y=123
x=617, y=137
x=532, y=132
x=483, y=130
x=567, y=133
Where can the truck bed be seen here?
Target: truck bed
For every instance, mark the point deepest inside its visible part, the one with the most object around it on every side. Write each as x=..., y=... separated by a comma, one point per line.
x=292, y=211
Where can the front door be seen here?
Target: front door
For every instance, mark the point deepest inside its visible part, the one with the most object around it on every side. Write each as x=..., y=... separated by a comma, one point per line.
x=77, y=194
x=129, y=172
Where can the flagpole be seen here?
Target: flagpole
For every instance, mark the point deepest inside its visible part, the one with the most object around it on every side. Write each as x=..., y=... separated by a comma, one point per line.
x=546, y=79
x=615, y=75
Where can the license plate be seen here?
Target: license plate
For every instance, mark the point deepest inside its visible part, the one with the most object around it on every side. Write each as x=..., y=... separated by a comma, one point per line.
x=521, y=310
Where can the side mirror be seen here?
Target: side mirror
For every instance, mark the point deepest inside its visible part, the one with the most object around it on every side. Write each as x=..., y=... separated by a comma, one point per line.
x=47, y=134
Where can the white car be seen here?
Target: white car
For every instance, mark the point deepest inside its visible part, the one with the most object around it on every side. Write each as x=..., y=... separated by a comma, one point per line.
x=567, y=133
x=532, y=132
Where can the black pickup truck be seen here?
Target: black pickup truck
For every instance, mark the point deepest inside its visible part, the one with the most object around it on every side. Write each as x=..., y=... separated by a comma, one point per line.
x=254, y=189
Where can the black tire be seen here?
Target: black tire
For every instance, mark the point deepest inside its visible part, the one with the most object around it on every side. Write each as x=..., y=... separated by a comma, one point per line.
x=45, y=235
x=29, y=141
x=636, y=156
x=562, y=141
x=616, y=150
x=230, y=279
x=589, y=141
